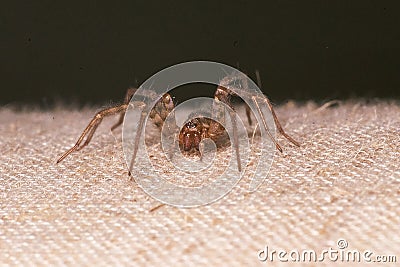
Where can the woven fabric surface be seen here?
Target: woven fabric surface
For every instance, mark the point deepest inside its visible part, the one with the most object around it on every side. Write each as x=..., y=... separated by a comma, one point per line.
x=342, y=183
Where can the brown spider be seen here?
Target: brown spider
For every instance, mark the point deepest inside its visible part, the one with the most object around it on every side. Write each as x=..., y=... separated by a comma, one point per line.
x=192, y=132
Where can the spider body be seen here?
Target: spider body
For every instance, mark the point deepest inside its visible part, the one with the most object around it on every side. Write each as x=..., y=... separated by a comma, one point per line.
x=193, y=131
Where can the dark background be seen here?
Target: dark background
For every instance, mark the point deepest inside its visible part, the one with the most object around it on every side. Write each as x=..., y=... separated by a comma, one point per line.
x=89, y=53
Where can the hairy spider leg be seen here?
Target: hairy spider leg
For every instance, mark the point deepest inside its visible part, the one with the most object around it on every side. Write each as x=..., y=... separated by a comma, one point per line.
x=231, y=79
x=223, y=94
x=95, y=122
x=128, y=96
x=91, y=128
x=158, y=113
x=277, y=123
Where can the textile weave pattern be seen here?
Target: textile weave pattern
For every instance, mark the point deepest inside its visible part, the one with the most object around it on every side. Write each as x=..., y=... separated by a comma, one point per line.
x=343, y=182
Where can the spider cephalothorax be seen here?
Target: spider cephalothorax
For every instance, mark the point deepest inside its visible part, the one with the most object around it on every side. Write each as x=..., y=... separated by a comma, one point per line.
x=192, y=133
x=198, y=129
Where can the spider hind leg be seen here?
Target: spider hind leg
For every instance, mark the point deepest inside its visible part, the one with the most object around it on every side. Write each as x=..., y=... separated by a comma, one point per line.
x=92, y=127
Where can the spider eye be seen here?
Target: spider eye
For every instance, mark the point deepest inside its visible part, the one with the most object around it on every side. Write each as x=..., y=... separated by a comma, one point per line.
x=191, y=125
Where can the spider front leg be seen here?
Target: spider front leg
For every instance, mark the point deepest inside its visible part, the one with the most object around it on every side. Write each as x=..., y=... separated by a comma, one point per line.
x=256, y=99
x=277, y=123
x=158, y=114
x=223, y=94
x=279, y=126
x=128, y=96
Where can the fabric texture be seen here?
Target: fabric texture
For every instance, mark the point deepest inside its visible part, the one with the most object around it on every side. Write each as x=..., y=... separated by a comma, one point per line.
x=342, y=183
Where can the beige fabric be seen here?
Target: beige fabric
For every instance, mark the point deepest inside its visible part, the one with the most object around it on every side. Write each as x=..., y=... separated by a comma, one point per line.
x=344, y=182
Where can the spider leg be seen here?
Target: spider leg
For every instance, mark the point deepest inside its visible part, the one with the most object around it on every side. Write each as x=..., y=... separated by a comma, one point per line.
x=248, y=114
x=158, y=114
x=201, y=145
x=128, y=96
x=91, y=128
x=266, y=126
x=231, y=79
x=277, y=123
x=222, y=94
x=90, y=134
x=279, y=126
x=137, y=139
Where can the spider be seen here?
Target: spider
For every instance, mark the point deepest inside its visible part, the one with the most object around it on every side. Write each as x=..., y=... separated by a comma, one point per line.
x=192, y=132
